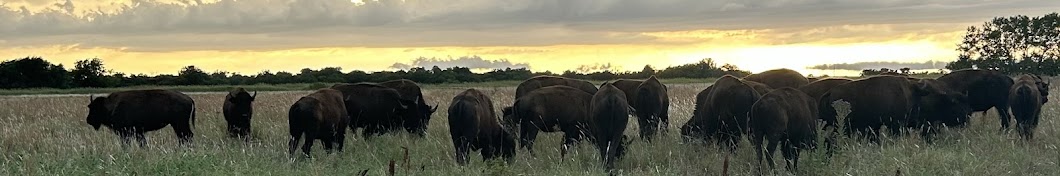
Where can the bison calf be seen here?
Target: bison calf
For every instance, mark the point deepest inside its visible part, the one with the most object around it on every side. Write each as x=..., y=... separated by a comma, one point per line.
x=132, y=113
x=1025, y=100
x=609, y=115
x=787, y=117
x=320, y=115
x=474, y=126
x=238, y=109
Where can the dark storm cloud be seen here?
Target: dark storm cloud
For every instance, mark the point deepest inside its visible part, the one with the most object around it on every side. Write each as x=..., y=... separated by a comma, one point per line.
x=149, y=25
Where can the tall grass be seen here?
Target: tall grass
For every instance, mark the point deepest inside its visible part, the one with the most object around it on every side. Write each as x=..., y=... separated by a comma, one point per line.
x=48, y=136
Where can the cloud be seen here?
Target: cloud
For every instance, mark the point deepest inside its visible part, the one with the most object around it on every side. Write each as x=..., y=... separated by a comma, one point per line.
x=152, y=25
x=858, y=66
x=472, y=62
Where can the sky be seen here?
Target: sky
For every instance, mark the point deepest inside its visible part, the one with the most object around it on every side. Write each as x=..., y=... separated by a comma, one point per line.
x=250, y=36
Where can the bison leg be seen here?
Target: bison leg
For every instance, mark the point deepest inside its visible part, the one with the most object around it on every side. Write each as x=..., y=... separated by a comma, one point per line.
x=1004, y=116
x=462, y=146
x=292, y=145
x=664, y=116
x=340, y=139
x=756, y=142
x=791, y=155
x=648, y=126
x=141, y=139
x=183, y=131
x=771, y=149
x=126, y=138
x=527, y=135
x=569, y=140
x=307, y=145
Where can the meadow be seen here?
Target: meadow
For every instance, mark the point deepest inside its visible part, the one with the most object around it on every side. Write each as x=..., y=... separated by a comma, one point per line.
x=47, y=135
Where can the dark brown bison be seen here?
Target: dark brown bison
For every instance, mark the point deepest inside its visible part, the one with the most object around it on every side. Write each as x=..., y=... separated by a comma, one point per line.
x=985, y=89
x=652, y=104
x=629, y=87
x=893, y=101
x=721, y=112
x=238, y=109
x=817, y=88
x=374, y=107
x=321, y=115
x=538, y=82
x=474, y=126
x=938, y=105
x=133, y=113
x=551, y=109
x=759, y=87
x=1025, y=100
x=785, y=117
x=779, y=78
x=609, y=115
x=416, y=117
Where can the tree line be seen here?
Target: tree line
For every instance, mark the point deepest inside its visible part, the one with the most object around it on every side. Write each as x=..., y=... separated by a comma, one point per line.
x=1014, y=45
x=36, y=72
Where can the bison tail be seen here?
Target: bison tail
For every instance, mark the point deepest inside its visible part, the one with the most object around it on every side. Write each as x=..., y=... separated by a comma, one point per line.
x=192, y=116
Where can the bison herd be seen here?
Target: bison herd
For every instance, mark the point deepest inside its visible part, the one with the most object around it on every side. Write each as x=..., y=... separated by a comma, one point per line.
x=777, y=108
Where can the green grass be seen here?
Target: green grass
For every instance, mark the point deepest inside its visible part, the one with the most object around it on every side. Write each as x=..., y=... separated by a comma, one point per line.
x=47, y=135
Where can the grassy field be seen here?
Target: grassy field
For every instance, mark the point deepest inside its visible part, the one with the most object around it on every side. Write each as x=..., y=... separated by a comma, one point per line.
x=47, y=135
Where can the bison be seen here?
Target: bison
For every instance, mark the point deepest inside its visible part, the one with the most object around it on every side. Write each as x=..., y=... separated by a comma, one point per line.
x=985, y=89
x=652, y=107
x=551, y=109
x=538, y=82
x=416, y=117
x=374, y=107
x=893, y=101
x=609, y=115
x=133, y=113
x=787, y=117
x=721, y=112
x=474, y=126
x=1025, y=100
x=779, y=78
x=817, y=88
x=321, y=115
x=238, y=109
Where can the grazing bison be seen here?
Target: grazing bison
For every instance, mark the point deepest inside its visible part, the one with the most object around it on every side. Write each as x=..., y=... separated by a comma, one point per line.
x=985, y=89
x=321, y=115
x=721, y=112
x=938, y=105
x=652, y=104
x=416, y=117
x=551, y=109
x=609, y=115
x=238, y=109
x=474, y=126
x=629, y=87
x=891, y=101
x=779, y=78
x=787, y=117
x=817, y=88
x=132, y=113
x=373, y=107
x=538, y=82
x=1025, y=100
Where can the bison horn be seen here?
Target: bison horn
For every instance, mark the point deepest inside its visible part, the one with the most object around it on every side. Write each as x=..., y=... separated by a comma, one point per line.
x=91, y=97
x=255, y=95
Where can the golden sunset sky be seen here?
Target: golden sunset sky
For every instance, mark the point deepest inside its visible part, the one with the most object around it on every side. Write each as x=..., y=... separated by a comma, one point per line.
x=250, y=36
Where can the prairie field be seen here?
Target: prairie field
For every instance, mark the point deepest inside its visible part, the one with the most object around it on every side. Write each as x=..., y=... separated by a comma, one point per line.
x=47, y=135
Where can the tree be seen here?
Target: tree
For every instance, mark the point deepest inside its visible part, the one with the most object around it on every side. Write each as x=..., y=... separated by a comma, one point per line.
x=90, y=73
x=192, y=76
x=1017, y=44
x=32, y=72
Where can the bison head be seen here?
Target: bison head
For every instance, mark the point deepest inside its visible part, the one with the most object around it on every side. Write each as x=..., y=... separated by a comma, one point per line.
x=939, y=104
x=243, y=102
x=97, y=112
